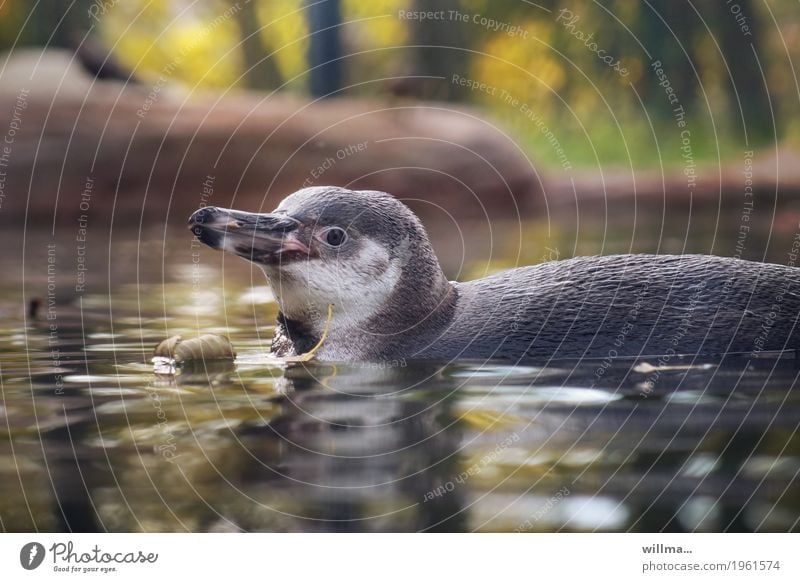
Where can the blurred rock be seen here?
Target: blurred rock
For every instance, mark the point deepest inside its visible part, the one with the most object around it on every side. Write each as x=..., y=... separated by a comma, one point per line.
x=153, y=152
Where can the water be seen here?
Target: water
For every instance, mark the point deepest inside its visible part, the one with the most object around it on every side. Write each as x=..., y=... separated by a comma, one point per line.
x=94, y=439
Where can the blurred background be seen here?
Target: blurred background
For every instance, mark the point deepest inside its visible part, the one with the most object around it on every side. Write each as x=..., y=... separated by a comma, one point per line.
x=728, y=62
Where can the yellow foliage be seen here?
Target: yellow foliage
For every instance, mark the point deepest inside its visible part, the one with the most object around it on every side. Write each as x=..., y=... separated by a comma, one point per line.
x=285, y=30
x=380, y=28
x=528, y=69
x=177, y=45
x=12, y=14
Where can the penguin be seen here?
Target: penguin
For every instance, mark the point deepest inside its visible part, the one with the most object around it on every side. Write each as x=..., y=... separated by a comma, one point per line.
x=356, y=279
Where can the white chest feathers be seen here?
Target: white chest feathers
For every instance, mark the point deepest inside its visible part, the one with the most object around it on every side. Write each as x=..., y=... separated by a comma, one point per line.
x=357, y=285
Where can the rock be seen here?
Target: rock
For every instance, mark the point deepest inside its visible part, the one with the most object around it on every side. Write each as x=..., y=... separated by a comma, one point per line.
x=207, y=347
x=152, y=152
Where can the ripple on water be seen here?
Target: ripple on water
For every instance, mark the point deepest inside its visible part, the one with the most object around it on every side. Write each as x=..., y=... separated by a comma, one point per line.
x=589, y=513
x=560, y=511
x=760, y=466
x=513, y=458
x=108, y=380
x=693, y=397
x=536, y=396
x=258, y=295
x=137, y=347
x=500, y=372
x=700, y=514
x=104, y=335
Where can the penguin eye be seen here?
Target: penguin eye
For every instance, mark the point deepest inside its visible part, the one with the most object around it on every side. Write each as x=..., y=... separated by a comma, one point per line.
x=335, y=236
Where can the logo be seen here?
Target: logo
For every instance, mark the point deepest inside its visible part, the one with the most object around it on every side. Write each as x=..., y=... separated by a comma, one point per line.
x=31, y=555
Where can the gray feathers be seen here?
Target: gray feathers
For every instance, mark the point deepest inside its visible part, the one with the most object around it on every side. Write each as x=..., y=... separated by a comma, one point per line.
x=626, y=305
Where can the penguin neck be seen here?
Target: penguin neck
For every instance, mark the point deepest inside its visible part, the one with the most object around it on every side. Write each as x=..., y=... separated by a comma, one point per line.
x=292, y=337
x=420, y=307
x=422, y=300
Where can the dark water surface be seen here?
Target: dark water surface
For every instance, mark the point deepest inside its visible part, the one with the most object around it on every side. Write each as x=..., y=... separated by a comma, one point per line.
x=93, y=438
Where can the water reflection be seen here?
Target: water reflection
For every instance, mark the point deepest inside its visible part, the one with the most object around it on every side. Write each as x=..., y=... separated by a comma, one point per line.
x=422, y=447
x=94, y=439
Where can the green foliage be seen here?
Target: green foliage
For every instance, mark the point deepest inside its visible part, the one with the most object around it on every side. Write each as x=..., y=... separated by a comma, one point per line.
x=12, y=14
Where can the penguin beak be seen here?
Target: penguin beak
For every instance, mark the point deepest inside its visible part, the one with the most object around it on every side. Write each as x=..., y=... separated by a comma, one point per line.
x=269, y=238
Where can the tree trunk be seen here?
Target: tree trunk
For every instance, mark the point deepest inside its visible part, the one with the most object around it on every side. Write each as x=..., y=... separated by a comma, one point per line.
x=260, y=71
x=440, y=46
x=746, y=88
x=324, y=59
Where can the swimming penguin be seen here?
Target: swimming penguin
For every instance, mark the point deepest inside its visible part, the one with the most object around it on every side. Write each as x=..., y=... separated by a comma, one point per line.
x=368, y=257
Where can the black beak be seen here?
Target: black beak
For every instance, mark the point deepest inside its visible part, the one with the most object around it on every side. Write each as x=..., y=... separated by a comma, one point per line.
x=261, y=238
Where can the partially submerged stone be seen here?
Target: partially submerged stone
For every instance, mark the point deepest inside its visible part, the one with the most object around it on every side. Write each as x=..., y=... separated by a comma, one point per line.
x=209, y=346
